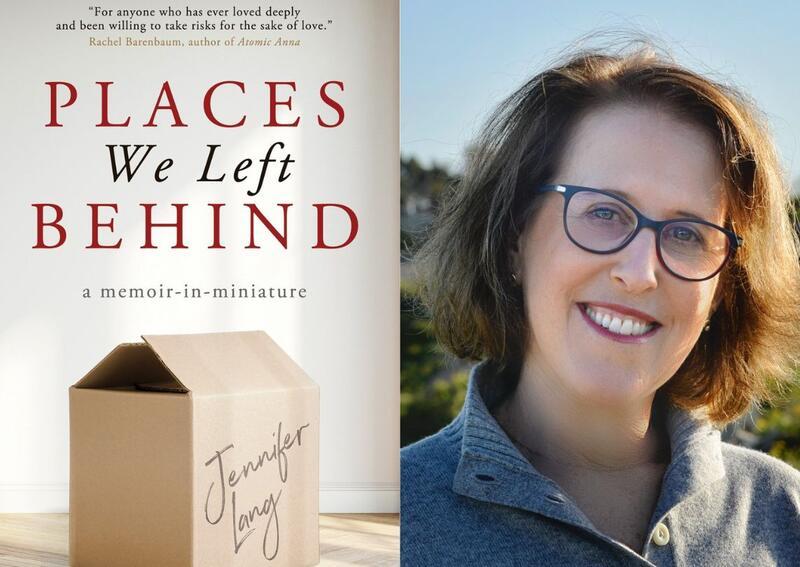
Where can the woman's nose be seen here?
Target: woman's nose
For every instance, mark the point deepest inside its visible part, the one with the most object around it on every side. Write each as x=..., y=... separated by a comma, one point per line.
x=635, y=265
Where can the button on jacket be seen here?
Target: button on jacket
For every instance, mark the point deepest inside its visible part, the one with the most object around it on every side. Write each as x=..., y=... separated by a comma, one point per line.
x=469, y=497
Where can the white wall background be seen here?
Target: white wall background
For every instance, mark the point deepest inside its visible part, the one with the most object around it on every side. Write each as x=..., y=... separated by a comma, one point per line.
x=345, y=334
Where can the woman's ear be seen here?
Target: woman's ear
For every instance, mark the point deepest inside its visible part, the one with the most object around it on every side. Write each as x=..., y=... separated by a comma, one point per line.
x=517, y=252
x=719, y=294
x=515, y=259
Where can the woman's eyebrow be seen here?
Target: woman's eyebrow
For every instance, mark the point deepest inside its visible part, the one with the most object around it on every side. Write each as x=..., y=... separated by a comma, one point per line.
x=677, y=212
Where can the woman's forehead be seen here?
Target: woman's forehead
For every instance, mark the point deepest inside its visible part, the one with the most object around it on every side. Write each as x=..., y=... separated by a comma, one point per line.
x=662, y=164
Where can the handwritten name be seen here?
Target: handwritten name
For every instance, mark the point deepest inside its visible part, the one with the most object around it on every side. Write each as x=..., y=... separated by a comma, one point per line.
x=222, y=489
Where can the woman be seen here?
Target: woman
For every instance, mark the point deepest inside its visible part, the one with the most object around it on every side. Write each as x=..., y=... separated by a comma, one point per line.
x=620, y=256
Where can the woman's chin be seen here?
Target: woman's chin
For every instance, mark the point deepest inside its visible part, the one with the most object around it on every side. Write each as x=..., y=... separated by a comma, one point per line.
x=609, y=388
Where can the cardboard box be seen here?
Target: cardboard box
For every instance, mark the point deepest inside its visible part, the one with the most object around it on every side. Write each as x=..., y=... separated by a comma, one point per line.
x=194, y=450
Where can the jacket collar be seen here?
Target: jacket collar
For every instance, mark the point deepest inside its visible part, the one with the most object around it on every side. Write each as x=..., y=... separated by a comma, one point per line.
x=492, y=469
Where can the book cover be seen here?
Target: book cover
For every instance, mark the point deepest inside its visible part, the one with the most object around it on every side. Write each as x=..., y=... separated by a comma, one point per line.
x=201, y=168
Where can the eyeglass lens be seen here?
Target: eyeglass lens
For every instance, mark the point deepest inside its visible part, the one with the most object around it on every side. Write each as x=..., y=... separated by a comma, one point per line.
x=602, y=223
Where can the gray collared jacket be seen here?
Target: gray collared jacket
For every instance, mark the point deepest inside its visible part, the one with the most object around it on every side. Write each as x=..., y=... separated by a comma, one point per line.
x=469, y=497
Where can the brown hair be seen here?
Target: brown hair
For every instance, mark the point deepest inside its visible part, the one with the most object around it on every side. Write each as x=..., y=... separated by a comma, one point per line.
x=465, y=265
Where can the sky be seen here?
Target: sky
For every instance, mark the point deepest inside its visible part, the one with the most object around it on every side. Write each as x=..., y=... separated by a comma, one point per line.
x=460, y=58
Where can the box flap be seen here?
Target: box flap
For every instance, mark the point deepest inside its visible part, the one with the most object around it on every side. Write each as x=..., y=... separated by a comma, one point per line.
x=228, y=363
x=127, y=365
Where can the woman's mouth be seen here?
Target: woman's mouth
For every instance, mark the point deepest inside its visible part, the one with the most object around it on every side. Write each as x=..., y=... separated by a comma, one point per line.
x=618, y=326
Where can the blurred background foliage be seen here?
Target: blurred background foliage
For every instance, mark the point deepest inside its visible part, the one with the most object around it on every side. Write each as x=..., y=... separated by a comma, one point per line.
x=433, y=383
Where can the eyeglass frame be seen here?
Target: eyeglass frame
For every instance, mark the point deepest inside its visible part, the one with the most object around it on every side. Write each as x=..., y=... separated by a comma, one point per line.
x=642, y=221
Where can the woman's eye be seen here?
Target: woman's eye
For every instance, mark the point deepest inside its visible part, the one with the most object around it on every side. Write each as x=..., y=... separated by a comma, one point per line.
x=685, y=234
x=603, y=214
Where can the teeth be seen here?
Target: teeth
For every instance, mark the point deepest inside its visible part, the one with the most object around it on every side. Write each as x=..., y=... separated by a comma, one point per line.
x=618, y=325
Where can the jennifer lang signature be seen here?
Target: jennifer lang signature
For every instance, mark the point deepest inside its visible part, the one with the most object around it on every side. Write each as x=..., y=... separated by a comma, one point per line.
x=268, y=508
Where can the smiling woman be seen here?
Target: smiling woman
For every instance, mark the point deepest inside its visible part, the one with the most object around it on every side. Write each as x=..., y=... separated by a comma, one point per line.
x=664, y=166
x=620, y=257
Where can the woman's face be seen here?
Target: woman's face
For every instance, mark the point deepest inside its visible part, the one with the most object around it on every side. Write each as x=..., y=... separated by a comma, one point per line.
x=663, y=166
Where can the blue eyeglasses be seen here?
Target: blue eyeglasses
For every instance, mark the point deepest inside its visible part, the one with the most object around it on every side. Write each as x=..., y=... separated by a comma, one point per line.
x=603, y=223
